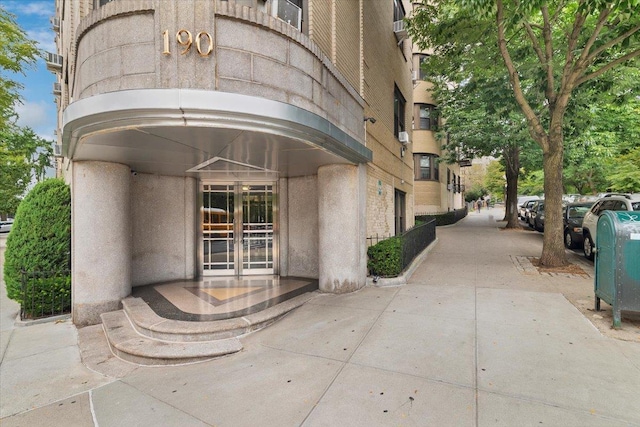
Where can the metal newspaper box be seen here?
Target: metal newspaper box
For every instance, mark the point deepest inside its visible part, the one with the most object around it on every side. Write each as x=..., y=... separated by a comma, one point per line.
x=617, y=263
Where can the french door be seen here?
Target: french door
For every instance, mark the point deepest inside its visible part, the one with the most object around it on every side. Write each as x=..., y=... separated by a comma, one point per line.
x=237, y=229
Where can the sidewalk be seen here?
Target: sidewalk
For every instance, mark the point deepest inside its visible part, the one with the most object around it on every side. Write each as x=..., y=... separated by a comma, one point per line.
x=476, y=338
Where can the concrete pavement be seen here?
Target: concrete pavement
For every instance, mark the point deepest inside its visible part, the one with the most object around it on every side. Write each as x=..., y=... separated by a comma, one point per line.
x=476, y=338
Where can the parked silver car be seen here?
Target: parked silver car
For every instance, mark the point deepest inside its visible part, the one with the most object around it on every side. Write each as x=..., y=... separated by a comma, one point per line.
x=612, y=202
x=5, y=226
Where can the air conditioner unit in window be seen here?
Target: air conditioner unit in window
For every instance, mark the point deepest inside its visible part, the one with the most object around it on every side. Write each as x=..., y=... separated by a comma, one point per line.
x=399, y=30
x=403, y=137
x=55, y=23
x=57, y=88
x=57, y=150
x=53, y=61
x=415, y=76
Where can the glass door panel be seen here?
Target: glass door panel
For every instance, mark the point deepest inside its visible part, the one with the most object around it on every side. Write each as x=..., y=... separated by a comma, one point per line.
x=257, y=229
x=237, y=229
x=217, y=219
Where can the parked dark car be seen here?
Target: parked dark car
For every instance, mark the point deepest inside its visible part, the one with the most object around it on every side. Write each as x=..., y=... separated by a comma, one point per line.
x=572, y=216
x=536, y=216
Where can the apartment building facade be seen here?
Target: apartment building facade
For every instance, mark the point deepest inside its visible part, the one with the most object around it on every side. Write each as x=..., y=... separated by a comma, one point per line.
x=438, y=185
x=221, y=138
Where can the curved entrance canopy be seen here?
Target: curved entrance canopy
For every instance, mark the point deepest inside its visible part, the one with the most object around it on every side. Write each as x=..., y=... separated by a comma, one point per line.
x=207, y=134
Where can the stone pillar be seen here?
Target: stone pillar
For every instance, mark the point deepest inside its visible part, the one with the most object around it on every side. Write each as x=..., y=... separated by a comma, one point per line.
x=101, y=239
x=342, y=220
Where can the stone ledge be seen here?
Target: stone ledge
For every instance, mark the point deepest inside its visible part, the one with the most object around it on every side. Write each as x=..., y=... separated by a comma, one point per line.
x=129, y=345
x=147, y=323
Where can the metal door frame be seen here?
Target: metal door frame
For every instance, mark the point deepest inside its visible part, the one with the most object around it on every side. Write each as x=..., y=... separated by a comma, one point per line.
x=238, y=230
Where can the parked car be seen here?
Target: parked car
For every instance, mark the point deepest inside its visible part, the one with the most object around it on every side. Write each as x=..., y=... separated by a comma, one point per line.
x=536, y=215
x=523, y=201
x=610, y=202
x=5, y=226
x=572, y=216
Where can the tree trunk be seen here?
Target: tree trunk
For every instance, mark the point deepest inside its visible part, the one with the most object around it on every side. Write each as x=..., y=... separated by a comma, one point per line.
x=511, y=154
x=553, y=254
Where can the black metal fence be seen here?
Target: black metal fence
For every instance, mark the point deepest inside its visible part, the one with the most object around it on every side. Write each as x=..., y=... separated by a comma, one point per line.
x=415, y=240
x=444, y=218
x=394, y=258
x=372, y=240
x=45, y=294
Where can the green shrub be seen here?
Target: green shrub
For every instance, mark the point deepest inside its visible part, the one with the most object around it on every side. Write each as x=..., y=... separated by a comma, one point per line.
x=40, y=239
x=385, y=257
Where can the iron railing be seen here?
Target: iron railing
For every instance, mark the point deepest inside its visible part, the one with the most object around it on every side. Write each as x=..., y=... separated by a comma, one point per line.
x=415, y=240
x=45, y=294
x=412, y=243
x=444, y=218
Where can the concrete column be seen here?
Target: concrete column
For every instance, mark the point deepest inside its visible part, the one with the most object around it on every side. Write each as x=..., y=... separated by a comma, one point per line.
x=342, y=239
x=101, y=239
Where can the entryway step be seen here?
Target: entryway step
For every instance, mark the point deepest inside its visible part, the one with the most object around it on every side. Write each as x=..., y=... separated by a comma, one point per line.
x=129, y=345
x=149, y=324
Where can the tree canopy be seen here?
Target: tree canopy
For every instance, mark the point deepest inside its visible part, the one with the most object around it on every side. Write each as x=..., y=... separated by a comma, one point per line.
x=24, y=156
x=548, y=51
x=17, y=52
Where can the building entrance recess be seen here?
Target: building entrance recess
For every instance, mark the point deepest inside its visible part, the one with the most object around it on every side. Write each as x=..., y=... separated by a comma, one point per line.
x=237, y=229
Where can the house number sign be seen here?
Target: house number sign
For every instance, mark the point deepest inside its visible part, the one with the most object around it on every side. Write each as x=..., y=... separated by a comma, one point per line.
x=203, y=42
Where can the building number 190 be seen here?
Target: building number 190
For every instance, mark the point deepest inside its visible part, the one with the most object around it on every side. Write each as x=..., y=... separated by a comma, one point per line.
x=185, y=39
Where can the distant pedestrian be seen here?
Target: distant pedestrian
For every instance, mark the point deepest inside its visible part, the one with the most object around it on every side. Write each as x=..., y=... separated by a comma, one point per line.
x=479, y=205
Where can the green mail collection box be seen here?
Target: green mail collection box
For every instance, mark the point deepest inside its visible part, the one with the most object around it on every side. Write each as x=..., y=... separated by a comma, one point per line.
x=617, y=262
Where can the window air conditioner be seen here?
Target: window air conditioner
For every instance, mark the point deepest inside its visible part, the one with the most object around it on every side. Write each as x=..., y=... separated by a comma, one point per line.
x=57, y=150
x=403, y=137
x=399, y=30
x=53, y=61
x=415, y=76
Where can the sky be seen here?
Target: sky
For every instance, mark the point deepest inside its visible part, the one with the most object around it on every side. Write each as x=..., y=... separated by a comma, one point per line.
x=39, y=109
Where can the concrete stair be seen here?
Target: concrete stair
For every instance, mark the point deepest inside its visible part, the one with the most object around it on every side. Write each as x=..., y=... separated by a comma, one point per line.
x=137, y=334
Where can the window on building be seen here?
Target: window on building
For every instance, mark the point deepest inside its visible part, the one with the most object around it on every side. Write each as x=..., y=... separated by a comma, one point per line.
x=399, y=105
x=428, y=116
x=426, y=167
x=290, y=11
x=418, y=61
x=398, y=10
x=103, y=2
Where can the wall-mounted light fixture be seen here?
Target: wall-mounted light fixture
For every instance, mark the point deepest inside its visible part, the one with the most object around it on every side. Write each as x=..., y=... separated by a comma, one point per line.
x=370, y=119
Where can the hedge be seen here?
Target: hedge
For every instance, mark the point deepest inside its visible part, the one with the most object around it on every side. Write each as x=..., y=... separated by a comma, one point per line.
x=385, y=257
x=40, y=239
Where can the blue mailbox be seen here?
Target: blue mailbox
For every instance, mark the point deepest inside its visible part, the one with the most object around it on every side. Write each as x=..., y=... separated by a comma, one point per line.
x=617, y=263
